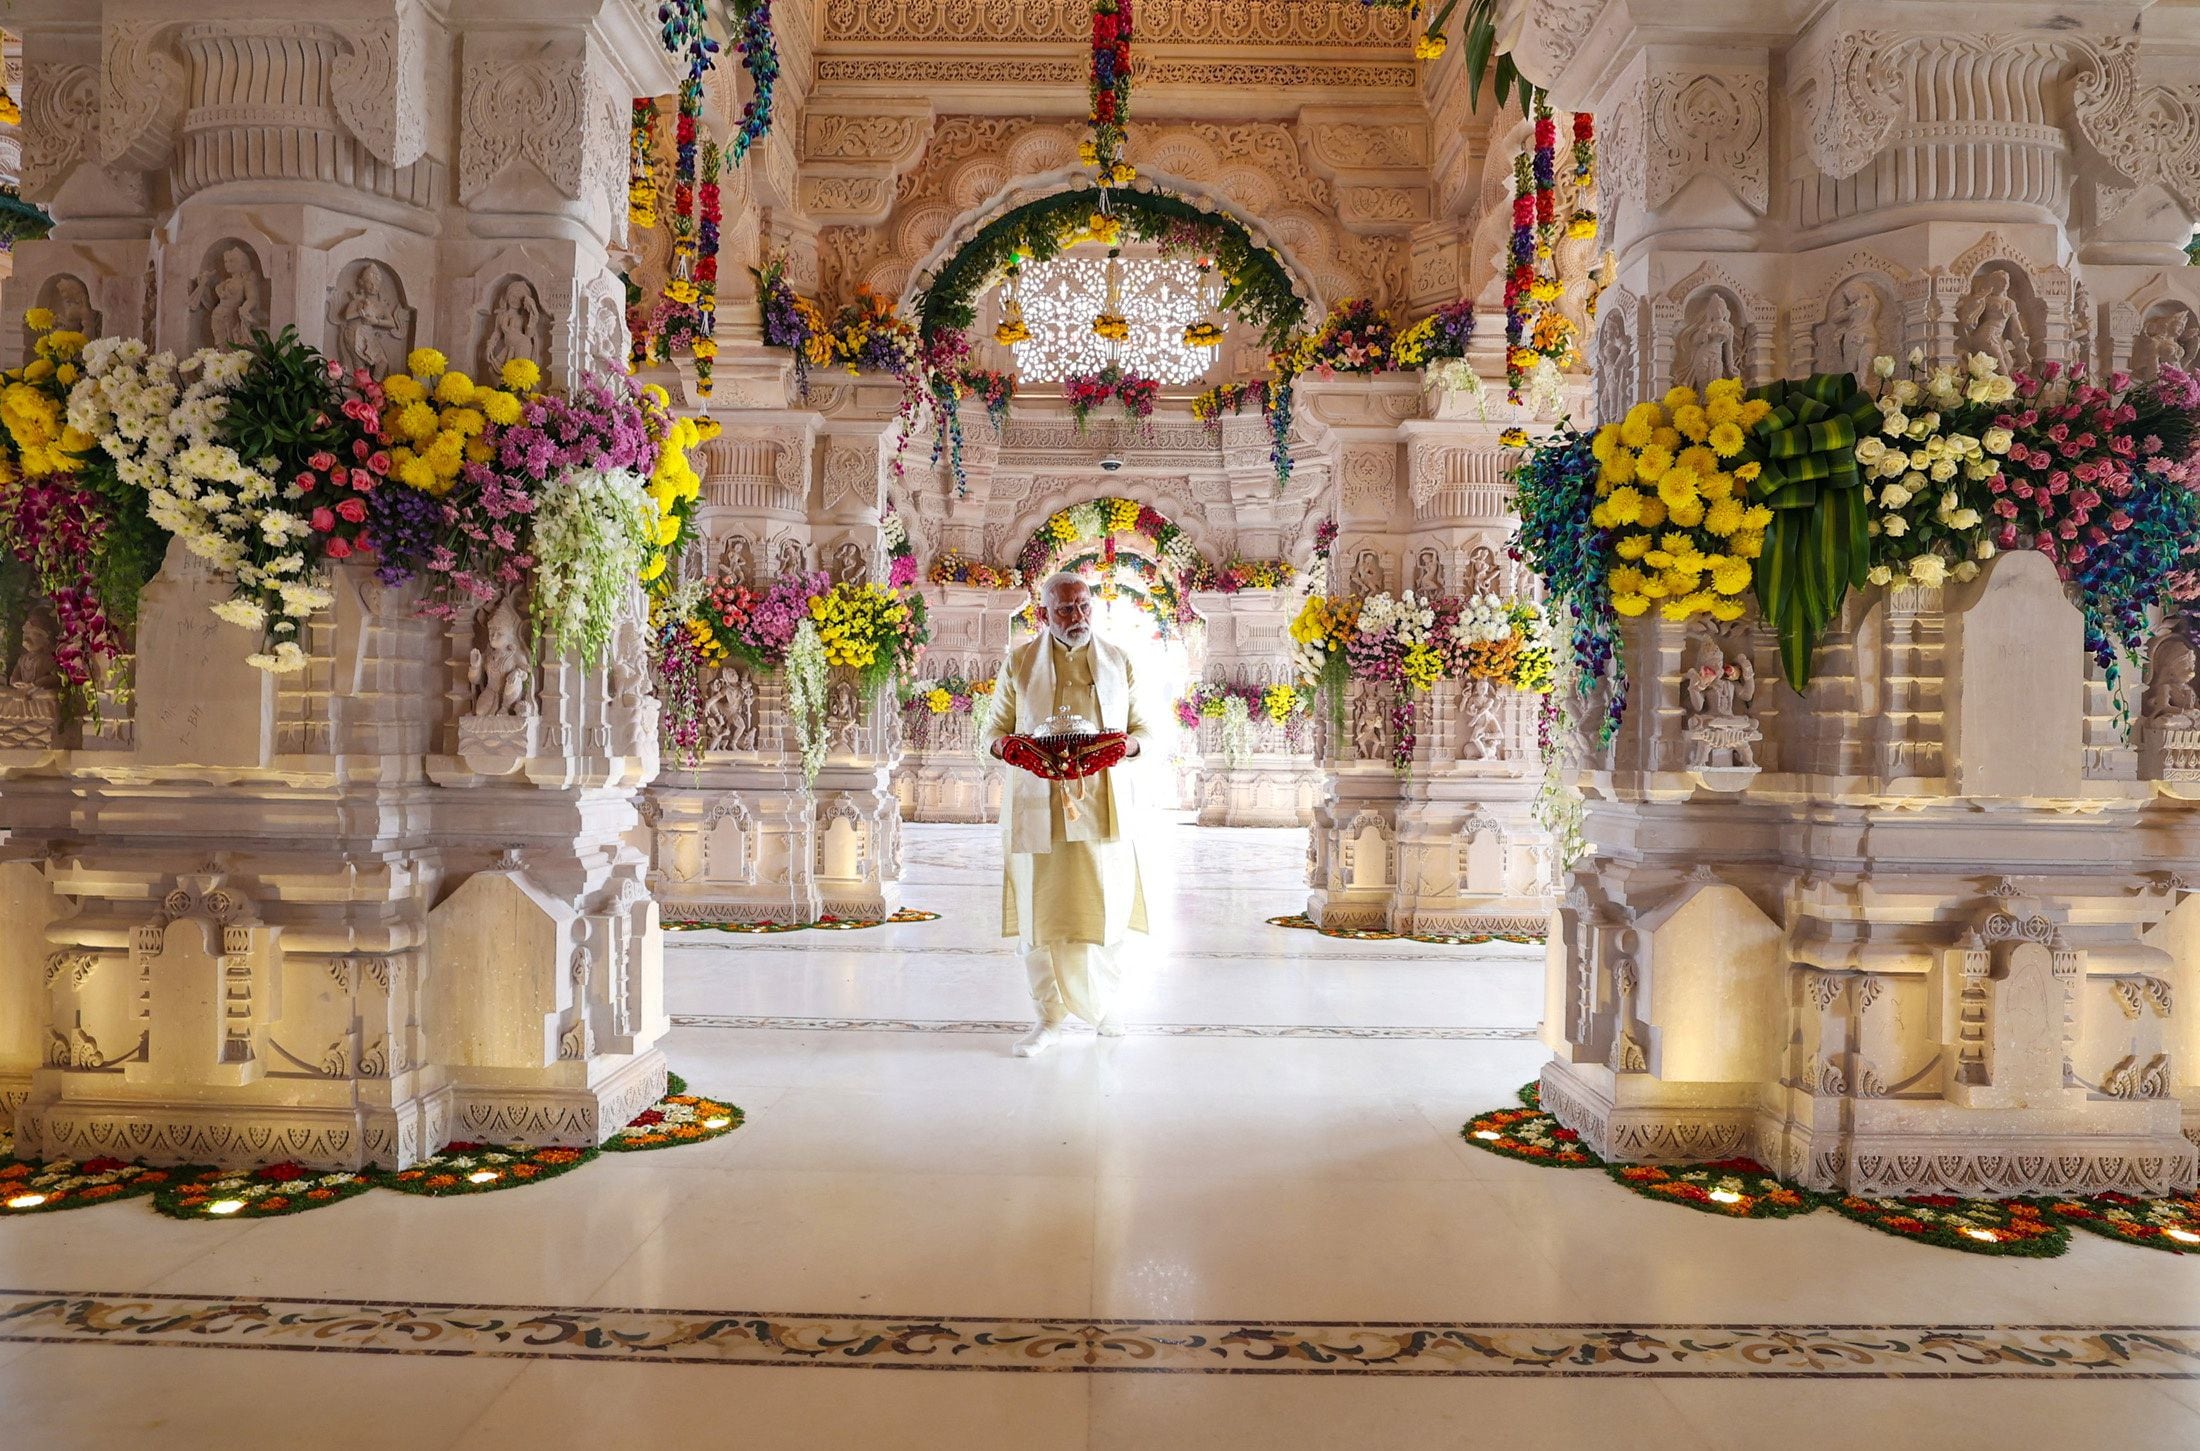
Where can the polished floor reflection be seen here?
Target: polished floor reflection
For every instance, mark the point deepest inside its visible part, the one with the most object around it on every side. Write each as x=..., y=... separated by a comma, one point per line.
x=1263, y=1178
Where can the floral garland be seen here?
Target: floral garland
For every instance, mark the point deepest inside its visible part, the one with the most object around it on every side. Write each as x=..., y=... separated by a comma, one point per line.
x=1257, y=285
x=704, y=347
x=759, y=47
x=1684, y=525
x=1354, y=337
x=876, y=631
x=2167, y=1224
x=1520, y=276
x=1556, y=490
x=1110, y=93
x=953, y=568
x=901, y=553
x=1085, y=392
x=1274, y=403
x=1095, y=519
x=1240, y=574
x=677, y=659
x=1236, y=707
x=641, y=176
x=1976, y=1226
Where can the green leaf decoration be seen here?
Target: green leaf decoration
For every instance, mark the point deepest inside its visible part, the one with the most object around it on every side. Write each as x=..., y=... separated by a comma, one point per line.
x=1819, y=546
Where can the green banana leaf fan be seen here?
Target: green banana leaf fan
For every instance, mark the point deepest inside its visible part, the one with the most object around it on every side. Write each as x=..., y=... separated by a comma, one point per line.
x=1818, y=545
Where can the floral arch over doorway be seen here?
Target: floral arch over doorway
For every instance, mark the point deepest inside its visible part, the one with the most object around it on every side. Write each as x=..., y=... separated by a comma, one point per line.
x=1257, y=284
x=1133, y=548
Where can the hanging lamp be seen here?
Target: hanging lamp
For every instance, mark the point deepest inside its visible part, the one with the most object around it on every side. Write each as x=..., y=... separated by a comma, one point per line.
x=1013, y=329
x=1204, y=331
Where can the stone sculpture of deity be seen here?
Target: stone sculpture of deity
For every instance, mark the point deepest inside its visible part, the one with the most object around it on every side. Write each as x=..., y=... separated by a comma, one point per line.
x=1710, y=347
x=2156, y=344
x=230, y=297
x=1993, y=324
x=512, y=327
x=35, y=668
x=1716, y=693
x=498, y=670
x=367, y=322
x=2172, y=703
x=1849, y=337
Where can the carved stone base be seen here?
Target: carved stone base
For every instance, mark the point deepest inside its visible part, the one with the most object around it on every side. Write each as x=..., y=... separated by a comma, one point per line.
x=1262, y=792
x=1884, y=1147
x=939, y=786
x=578, y=1117
x=497, y=745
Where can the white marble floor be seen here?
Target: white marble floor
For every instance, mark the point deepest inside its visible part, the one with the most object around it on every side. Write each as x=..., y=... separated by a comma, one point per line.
x=1264, y=1176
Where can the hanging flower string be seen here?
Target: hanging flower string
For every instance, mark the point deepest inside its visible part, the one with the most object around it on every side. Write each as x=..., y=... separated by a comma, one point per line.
x=705, y=345
x=1111, y=93
x=1519, y=279
x=641, y=176
x=759, y=49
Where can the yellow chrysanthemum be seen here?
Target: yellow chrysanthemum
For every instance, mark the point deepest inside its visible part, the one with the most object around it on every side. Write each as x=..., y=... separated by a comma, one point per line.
x=425, y=362
x=1652, y=462
x=416, y=421
x=1716, y=486
x=503, y=409
x=1626, y=580
x=1687, y=513
x=1630, y=605
x=1653, y=512
x=403, y=388
x=1625, y=505
x=1723, y=410
x=1635, y=432
x=1747, y=545
x=454, y=388
x=1727, y=439
x=1678, y=397
x=1634, y=546
x=1621, y=470
x=1605, y=444
x=1690, y=420
x=1668, y=438
x=1757, y=516
x=1732, y=577
x=1754, y=411
x=38, y=319
x=1724, y=388
x=521, y=375
x=1726, y=609
x=1723, y=517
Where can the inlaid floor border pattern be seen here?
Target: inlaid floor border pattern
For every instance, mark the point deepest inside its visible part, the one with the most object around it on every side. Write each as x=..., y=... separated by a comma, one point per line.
x=759, y=942
x=1213, y=1347
x=1009, y=1026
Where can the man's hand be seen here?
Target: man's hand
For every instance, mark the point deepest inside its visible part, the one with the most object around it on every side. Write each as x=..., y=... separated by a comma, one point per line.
x=1130, y=747
x=994, y=749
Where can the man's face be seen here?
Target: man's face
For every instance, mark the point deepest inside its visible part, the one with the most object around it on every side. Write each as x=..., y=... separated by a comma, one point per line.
x=1069, y=615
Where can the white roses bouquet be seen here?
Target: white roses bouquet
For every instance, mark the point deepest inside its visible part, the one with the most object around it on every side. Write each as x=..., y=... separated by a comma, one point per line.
x=1927, y=471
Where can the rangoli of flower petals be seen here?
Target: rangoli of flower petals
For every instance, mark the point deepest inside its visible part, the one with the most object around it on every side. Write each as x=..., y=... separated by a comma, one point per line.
x=1301, y=922
x=1529, y=1134
x=262, y=1193
x=1976, y=1226
x=41, y=1188
x=1736, y=1188
x=2171, y=1224
x=473, y=1168
x=675, y=1119
x=827, y=923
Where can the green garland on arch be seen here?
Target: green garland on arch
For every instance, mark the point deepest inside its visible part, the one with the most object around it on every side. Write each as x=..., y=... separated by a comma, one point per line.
x=1257, y=285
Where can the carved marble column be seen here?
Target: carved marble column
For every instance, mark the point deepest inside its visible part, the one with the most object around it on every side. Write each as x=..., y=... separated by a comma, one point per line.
x=1921, y=929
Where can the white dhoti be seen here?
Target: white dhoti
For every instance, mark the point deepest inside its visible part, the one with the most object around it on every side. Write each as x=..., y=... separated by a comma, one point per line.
x=1070, y=887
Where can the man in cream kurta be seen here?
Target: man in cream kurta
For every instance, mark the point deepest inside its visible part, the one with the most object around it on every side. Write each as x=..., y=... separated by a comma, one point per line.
x=1071, y=887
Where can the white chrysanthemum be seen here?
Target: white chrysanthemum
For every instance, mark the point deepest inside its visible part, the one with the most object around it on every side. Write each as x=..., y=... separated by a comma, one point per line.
x=242, y=612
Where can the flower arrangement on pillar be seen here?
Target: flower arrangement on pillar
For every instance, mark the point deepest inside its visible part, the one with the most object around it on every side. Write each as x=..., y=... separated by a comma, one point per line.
x=1085, y=392
x=1794, y=493
x=1410, y=643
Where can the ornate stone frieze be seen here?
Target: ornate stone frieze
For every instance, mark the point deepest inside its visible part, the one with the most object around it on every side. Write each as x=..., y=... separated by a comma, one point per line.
x=1329, y=23
x=2150, y=133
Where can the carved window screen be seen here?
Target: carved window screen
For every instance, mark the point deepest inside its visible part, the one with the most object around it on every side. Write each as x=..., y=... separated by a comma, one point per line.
x=1061, y=296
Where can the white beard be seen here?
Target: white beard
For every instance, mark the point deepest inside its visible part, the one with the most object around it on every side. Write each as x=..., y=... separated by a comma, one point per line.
x=1074, y=636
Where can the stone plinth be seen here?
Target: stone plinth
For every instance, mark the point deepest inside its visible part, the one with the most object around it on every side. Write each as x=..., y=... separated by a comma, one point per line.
x=279, y=923
x=1915, y=952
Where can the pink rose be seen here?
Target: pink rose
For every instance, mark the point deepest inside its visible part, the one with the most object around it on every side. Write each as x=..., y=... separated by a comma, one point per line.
x=379, y=461
x=306, y=483
x=338, y=549
x=2007, y=508
x=323, y=461
x=323, y=520
x=353, y=510
x=2119, y=521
